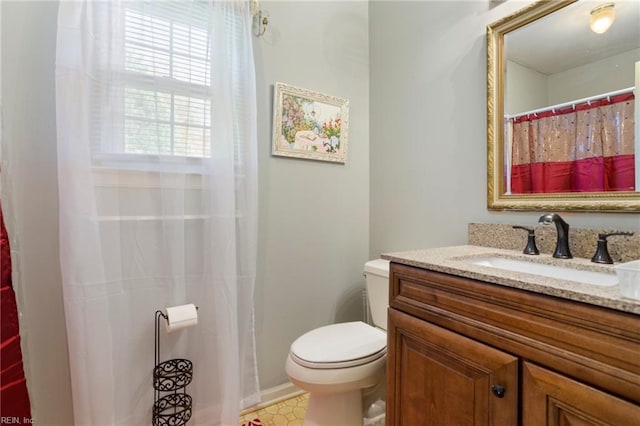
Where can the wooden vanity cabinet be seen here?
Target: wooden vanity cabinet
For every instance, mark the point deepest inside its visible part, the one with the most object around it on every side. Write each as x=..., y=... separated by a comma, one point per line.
x=553, y=399
x=466, y=352
x=444, y=378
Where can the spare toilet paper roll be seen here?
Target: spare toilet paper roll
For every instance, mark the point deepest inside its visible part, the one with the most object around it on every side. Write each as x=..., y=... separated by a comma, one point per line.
x=179, y=317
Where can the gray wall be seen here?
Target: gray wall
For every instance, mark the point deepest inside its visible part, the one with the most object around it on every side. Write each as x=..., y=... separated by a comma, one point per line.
x=525, y=89
x=314, y=216
x=613, y=73
x=428, y=125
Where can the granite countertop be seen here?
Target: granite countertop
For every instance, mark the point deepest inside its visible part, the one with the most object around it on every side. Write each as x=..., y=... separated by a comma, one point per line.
x=456, y=261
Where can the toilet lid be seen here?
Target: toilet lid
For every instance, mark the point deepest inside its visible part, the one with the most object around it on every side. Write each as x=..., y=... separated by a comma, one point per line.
x=339, y=345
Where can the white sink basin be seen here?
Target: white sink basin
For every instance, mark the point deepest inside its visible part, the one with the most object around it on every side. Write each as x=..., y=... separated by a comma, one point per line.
x=561, y=272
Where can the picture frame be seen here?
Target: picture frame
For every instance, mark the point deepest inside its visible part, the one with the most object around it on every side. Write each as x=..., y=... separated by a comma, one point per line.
x=310, y=125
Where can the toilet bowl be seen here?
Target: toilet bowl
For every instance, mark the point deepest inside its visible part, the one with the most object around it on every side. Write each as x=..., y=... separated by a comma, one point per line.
x=335, y=363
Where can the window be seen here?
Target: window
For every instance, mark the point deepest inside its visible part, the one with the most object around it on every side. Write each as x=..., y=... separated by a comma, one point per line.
x=166, y=81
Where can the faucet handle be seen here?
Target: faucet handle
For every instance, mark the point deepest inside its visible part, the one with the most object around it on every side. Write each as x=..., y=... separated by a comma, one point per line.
x=531, y=240
x=602, y=252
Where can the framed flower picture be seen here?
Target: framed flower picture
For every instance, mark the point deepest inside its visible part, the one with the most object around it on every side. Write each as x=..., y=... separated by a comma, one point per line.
x=308, y=124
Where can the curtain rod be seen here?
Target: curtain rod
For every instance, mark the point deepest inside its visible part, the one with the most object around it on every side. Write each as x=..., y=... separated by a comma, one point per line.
x=574, y=103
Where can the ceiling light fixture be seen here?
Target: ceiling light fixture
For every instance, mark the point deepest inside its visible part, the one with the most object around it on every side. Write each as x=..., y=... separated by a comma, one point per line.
x=602, y=17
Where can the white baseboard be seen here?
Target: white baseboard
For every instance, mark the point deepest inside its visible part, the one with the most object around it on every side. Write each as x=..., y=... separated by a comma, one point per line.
x=275, y=394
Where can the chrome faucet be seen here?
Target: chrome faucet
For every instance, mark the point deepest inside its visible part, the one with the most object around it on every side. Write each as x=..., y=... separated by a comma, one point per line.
x=562, y=230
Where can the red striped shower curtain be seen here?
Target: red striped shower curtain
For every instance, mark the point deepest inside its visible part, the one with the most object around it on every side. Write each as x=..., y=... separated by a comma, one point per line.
x=14, y=398
x=586, y=148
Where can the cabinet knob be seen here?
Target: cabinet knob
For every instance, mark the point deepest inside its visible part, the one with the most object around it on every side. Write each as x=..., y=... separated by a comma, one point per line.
x=498, y=390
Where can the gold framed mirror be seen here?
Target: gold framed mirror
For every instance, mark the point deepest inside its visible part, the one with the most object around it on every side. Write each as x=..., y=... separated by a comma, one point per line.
x=510, y=51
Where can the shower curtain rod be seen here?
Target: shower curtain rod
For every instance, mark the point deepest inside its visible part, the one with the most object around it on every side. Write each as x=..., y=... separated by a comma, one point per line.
x=574, y=103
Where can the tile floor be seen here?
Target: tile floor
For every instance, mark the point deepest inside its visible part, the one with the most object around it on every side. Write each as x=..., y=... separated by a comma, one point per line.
x=289, y=412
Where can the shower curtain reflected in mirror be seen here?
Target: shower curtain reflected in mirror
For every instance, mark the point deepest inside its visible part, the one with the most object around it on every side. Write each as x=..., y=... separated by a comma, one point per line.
x=581, y=148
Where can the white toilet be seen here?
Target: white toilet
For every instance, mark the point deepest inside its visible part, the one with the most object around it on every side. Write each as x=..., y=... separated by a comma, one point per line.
x=336, y=362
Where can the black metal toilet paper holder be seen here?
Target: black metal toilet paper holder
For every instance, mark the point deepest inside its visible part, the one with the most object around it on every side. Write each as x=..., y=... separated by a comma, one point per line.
x=171, y=404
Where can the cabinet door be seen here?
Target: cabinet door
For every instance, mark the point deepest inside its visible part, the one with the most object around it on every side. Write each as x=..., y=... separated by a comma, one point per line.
x=551, y=399
x=439, y=378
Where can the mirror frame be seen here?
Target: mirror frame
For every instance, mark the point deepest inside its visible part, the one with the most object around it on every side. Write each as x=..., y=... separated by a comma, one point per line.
x=614, y=202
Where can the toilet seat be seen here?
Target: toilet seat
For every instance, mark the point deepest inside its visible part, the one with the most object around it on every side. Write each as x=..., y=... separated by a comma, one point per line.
x=341, y=345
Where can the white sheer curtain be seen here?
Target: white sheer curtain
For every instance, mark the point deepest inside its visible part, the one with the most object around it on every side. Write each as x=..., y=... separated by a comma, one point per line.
x=157, y=169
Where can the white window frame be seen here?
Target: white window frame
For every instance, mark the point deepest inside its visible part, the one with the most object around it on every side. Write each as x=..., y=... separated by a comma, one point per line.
x=110, y=151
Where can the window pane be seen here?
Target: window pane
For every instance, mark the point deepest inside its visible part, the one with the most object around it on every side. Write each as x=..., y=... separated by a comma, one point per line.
x=147, y=137
x=147, y=30
x=166, y=99
x=147, y=44
x=147, y=61
x=191, y=54
x=147, y=104
x=190, y=141
x=190, y=70
x=189, y=110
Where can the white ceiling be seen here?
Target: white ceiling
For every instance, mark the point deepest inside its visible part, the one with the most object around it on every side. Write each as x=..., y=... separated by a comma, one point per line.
x=563, y=40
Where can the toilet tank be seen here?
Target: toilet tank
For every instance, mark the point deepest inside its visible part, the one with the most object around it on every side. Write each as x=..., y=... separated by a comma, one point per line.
x=377, y=275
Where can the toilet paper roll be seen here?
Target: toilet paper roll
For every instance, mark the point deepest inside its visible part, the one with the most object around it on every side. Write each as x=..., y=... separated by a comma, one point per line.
x=179, y=317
